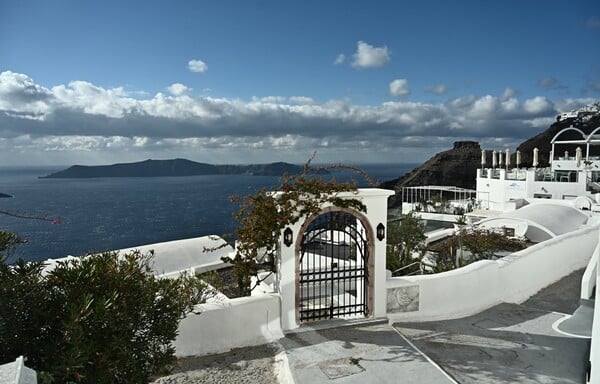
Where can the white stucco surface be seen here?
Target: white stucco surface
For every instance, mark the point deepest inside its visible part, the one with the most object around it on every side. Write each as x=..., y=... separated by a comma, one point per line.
x=557, y=218
x=17, y=373
x=179, y=255
x=483, y=284
x=595, y=343
x=375, y=200
x=220, y=327
x=588, y=281
x=197, y=255
x=539, y=221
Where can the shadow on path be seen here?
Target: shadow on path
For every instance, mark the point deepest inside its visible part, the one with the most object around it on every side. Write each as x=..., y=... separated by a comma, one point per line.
x=508, y=343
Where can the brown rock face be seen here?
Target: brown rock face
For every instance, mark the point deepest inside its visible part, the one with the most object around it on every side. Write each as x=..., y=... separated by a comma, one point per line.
x=455, y=167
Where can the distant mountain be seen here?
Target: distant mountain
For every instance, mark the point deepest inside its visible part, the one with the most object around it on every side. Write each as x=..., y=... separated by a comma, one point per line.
x=173, y=167
x=4, y=195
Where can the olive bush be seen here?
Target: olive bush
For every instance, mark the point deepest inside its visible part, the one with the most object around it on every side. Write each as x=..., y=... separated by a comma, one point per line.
x=102, y=318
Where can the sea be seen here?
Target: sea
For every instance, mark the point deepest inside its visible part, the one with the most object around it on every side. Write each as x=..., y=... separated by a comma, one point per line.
x=76, y=216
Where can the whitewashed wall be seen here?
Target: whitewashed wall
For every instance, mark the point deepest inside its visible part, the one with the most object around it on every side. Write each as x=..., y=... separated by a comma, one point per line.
x=595, y=342
x=220, y=327
x=483, y=284
x=588, y=281
x=496, y=194
x=376, y=202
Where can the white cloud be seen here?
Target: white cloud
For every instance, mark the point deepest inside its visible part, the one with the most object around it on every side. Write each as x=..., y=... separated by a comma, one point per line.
x=538, y=105
x=197, y=65
x=94, y=100
x=437, y=89
x=178, y=89
x=593, y=22
x=20, y=95
x=399, y=87
x=302, y=100
x=368, y=56
x=108, y=125
x=551, y=83
x=269, y=99
x=547, y=82
x=508, y=93
x=509, y=105
x=566, y=105
x=485, y=106
x=339, y=59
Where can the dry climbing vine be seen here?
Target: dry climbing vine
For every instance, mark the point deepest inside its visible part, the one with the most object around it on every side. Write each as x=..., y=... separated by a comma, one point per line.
x=263, y=215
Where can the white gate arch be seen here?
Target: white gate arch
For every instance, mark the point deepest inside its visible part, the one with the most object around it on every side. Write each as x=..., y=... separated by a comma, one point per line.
x=373, y=224
x=333, y=266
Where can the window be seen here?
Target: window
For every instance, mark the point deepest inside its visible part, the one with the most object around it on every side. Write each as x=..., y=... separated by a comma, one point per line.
x=509, y=232
x=542, y=195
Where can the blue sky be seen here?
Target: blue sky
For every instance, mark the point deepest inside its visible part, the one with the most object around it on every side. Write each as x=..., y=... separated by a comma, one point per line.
x=258, y=81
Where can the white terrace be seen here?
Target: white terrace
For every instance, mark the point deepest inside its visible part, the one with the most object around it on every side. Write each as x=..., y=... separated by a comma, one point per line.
x=567, y=177
x=333, y=266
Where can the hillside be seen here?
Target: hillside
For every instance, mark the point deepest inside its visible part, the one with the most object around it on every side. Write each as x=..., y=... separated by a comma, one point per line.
x=587, y=122
x=173, y=167
x=458, y=165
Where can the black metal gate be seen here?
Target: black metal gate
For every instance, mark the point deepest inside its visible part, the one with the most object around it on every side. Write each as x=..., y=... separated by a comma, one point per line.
x=333, y=265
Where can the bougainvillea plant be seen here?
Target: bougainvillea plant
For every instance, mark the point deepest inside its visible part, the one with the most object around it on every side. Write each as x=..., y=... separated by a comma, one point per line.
x=263, y=215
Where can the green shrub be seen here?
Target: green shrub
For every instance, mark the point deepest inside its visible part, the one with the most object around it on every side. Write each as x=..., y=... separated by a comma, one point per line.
x=480, y=243
x=404, y=238
x=484, y=244
x=99, y=319
x=24, y=317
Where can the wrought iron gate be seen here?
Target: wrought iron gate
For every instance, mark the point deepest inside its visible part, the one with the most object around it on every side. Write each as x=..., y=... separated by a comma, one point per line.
x=333, y=268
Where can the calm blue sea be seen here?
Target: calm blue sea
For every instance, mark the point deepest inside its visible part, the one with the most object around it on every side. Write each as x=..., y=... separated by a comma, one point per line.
x=113, y=213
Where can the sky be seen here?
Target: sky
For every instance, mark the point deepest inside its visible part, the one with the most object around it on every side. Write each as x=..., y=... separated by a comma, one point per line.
x=250, y=81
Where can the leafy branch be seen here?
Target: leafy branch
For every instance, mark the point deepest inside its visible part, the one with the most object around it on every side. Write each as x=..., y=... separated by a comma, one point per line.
x=263, y=215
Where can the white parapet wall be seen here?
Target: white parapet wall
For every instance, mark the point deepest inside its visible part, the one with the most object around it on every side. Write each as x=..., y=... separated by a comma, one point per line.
x=595, y=342
x=483, y=284
x=588, y=281
x=199, y=254
x=194, y=255
x=219, y=327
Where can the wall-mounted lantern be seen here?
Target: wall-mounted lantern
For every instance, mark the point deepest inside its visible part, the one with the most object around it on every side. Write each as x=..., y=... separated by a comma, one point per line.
x=288, y=237
x=380, y=231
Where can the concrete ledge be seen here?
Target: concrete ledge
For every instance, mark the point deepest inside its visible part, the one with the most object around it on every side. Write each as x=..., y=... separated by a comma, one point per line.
x=219, y=327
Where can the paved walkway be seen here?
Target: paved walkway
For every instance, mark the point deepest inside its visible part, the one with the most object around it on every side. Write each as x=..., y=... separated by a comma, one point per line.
x=362, y=354
x=505, y=344
x=508, y=343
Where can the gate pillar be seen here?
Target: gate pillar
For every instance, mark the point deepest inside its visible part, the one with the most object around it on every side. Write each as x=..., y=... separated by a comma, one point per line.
x=375, y=218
